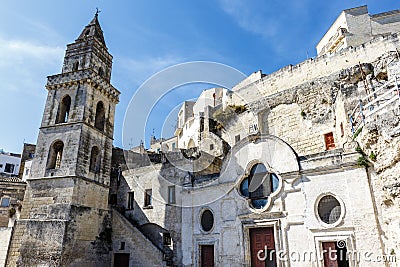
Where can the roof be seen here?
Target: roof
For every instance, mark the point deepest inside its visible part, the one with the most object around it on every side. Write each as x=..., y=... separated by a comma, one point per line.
x=92, y=30
x=11, y=180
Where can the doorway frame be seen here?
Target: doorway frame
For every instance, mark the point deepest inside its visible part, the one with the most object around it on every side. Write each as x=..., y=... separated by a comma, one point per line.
x=211, y=241
x=261, y=224
x=334, y=237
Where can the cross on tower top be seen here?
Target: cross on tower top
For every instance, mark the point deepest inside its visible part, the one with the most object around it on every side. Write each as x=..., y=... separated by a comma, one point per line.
x=97, y=11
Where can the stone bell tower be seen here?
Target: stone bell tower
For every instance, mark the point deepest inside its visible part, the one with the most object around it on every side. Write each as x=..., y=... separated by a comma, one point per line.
x=65, y=219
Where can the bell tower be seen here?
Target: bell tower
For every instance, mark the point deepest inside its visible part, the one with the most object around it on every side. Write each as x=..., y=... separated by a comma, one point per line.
x=65, y=219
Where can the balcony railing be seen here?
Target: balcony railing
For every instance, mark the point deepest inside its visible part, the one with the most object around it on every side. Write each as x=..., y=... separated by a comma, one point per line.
x=376, y=101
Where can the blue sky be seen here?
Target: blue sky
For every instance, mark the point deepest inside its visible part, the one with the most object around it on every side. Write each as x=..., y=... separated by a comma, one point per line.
x=145, y=37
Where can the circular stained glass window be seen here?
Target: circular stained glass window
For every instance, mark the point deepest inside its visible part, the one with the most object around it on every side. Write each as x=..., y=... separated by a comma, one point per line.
x=259, y=185
x=329, y=209
x=207, y=220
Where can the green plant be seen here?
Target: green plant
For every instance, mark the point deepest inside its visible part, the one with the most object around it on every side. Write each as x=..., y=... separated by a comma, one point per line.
x=238, y=108
x=303, y=114
x=359, y=150
x=357, y=133
x=362, y=161
x=372, y=156
x=11, y=212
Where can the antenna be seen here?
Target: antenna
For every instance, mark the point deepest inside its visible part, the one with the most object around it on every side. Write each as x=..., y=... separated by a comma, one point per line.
x=131, y=143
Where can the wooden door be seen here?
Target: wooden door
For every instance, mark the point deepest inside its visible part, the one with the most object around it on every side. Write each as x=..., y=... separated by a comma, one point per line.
x=207, y=256
x=259, y=239
x=329, y=261
x=121, y=259
x=329, y=141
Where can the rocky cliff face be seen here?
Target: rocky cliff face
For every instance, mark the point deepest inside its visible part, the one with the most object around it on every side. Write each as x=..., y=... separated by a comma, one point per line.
x=381, y=144
x=379, y=140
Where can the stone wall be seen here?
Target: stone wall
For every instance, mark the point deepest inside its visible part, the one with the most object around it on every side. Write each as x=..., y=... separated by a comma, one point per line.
x=165, y=215
x=5, y=237
x=294, y=75
x=62, y=217
x=141, y=250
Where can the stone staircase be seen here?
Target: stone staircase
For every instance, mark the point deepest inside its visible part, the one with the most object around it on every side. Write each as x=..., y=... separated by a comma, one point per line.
x=142, y=250
x=381, y=100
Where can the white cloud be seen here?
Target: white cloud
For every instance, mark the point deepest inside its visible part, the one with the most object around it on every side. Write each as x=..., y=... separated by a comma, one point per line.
x=24, y=64
x=18, y=48
x=246, y=15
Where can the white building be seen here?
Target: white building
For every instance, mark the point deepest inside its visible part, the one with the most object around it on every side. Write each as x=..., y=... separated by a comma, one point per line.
x=294, y=188
x=196, y=125
x=27, y=170
x=355, y=26
x=9, y=163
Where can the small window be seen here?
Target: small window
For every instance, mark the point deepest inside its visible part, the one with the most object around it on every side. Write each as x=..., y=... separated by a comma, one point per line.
x=95, y=160
x=31, y=155
x=101, y=72
x=122, y=246
x=5, y=202
x=207, y=220
x=1, y=165
x=26, y=171
x=148, y=198
x=329, y=141
x=341, y=129
x=131, y=200
x=329, y=209
x=100, y=116
x=75, y=66
x=167, y=240
x=237, y=138
x=9, y=168
x=171, y=194
x=55, y=155
x=64, y=109
x=173, y=145
x=211, y=146
x=113, y=199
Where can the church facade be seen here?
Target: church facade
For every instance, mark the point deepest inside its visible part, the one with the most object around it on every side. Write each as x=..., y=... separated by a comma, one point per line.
x=293, y=168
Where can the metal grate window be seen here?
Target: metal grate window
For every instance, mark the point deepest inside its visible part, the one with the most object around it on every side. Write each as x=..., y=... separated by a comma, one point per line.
x=329, y=209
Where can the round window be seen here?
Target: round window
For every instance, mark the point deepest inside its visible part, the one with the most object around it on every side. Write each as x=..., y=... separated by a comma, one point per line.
x=329, y=209
x=207, y=220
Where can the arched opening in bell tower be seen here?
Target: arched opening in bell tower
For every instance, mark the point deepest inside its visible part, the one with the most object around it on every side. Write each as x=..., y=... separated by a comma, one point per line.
x=100, y=116
x=55, y=155
x=63, y=110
